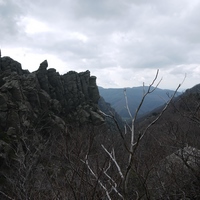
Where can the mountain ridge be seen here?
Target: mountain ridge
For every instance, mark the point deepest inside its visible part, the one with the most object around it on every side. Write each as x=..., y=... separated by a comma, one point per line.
x=115, y=96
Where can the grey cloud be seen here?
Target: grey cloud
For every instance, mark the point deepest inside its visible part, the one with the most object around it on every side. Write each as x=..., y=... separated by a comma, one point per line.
x=139, y=34
x=9, y=14
x=100, y=10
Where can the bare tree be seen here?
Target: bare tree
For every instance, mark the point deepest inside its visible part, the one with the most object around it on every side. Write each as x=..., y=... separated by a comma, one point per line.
x=131, y=142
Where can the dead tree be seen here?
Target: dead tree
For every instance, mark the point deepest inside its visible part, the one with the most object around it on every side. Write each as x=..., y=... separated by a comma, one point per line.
x=121, y=187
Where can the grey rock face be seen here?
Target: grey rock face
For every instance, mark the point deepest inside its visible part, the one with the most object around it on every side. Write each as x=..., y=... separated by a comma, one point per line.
x=41, y=114
x=93, y=90
x=10, y=65
x=45, y=97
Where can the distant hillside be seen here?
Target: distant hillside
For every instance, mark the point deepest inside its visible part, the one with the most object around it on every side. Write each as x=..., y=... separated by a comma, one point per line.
x=115, y=96
x=179, y=125
x=173, y=143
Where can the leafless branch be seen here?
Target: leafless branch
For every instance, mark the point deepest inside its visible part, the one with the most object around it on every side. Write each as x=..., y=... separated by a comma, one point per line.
x=158, y=117
x=112, y=156
x=96, y=177
x=6, y=195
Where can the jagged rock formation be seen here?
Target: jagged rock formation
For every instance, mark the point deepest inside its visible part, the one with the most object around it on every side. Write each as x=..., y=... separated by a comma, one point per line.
x=27, y=97
x=38, y=111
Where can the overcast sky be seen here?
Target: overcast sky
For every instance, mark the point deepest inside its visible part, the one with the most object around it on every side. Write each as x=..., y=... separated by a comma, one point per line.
x=122, y=42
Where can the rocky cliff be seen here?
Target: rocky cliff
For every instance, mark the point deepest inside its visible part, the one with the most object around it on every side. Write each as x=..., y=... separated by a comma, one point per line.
x=46, y=97
x=41, y=114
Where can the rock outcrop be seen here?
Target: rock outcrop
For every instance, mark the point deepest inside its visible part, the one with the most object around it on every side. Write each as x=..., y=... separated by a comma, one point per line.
x=45, y=97
x=41, y=114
